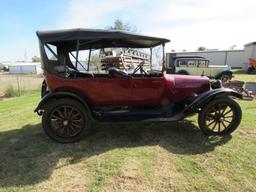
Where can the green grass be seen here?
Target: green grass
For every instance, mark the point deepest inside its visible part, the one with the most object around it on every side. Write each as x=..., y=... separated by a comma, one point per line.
x=242, y=76
x=124, y=157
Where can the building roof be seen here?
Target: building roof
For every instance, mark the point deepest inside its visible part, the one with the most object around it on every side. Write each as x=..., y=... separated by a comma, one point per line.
x=208, y=51
x=248, y=44
x=10, y=64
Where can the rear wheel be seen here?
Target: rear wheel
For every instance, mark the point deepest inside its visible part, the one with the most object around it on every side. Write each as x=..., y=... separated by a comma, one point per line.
x=66, y=121
x=182, y=72
x=220, y=117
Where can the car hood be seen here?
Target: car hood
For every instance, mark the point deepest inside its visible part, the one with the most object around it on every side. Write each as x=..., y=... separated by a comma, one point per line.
x=188, y=81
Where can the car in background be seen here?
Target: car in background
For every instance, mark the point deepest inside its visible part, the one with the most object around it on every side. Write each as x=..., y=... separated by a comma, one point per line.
x=197, y=65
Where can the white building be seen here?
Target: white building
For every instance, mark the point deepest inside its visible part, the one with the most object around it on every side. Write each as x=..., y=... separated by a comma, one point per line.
x=24, y=68
x=233, y=58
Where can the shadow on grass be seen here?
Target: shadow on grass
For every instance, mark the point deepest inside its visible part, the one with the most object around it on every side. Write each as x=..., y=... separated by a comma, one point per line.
x=28, y=157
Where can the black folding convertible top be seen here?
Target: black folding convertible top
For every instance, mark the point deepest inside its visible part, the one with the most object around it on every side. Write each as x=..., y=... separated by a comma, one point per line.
x=98, y=38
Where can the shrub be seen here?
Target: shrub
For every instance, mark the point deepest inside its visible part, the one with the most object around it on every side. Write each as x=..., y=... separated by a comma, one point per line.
x=11, y=92
x=6, y=68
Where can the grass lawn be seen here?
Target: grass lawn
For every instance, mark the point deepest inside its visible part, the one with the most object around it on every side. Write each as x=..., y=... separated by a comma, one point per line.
x=124, y=157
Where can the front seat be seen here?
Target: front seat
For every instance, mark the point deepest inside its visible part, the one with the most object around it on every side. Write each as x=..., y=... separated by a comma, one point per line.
x=117, y=73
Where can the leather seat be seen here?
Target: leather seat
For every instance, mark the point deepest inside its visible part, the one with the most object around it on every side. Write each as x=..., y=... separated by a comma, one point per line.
x=117, y=73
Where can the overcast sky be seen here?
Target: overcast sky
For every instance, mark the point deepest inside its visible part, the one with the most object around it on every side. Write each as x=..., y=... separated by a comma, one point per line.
x=214, y=24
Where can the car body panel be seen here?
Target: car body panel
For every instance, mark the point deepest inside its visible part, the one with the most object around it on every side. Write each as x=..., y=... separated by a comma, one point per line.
x=138, y=91
x=210, y=71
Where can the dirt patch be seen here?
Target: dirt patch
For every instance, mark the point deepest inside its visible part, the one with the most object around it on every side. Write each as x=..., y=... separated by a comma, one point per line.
x=2, y=95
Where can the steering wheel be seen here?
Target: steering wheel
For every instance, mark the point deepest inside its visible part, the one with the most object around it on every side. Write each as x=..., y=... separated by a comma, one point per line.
x=140, y=67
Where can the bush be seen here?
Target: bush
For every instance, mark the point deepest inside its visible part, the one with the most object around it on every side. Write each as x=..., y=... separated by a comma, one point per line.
x=11, y=92
x=6, y=68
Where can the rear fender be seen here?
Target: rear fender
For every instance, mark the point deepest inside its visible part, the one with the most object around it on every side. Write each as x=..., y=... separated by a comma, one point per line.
x=204, y=98
x=51, y=97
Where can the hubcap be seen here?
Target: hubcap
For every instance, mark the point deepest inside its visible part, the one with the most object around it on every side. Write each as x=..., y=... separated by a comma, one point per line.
x=65, y=123
x=221, y=119
x=224, y=78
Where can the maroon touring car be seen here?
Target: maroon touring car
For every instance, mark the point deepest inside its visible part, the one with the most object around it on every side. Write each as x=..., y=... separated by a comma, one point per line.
x=73, y=96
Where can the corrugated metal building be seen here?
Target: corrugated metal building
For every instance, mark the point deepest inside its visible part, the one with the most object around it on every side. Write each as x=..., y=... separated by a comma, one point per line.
x=24, y=68
x=233, y=58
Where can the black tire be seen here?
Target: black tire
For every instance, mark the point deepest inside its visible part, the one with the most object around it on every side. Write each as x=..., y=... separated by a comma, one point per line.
x=225, y=77
x=66, y=120
x=222, y=112
x=182, y=72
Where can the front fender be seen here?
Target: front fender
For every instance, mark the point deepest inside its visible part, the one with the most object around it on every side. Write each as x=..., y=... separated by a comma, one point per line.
x=202, y=99
x=218, y=76
x=63, y=94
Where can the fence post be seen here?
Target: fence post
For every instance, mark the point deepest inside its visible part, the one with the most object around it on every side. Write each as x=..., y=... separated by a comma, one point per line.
x=18, y=83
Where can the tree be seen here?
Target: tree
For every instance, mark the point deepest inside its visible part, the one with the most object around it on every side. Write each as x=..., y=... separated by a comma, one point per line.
x=201, y=48
x=36, y=59
x=120, y=25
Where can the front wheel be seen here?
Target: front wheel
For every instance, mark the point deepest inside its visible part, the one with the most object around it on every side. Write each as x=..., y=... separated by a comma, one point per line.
x=220, y=117
x=66, y=120
x=225, y=77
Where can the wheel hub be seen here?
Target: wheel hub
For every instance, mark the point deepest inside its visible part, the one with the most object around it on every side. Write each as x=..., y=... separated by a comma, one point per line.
x=221, y=119
x=65, y=122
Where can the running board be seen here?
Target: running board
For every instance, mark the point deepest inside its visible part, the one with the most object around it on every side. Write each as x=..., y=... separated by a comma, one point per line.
x=139, y=117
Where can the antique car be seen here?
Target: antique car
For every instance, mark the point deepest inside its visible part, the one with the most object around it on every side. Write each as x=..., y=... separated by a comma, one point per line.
x=73, y=100
x=198, y=65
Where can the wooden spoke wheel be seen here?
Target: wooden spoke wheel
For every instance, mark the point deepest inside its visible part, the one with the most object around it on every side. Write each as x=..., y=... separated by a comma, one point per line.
x=220, y=117
x=65, y=120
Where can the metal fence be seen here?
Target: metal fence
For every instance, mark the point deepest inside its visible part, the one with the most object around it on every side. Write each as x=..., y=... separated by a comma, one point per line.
x=20, y=82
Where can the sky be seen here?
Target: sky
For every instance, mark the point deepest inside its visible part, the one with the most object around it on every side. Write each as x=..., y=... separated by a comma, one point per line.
x=189, y=24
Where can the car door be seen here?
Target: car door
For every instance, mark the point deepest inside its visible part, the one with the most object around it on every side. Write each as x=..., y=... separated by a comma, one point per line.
x=203, y=68
x=147, y=90
x=110, y=91
x=192, y=67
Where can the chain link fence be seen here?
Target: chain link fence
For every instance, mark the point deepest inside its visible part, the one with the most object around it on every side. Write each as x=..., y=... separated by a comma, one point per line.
x=19, y=83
